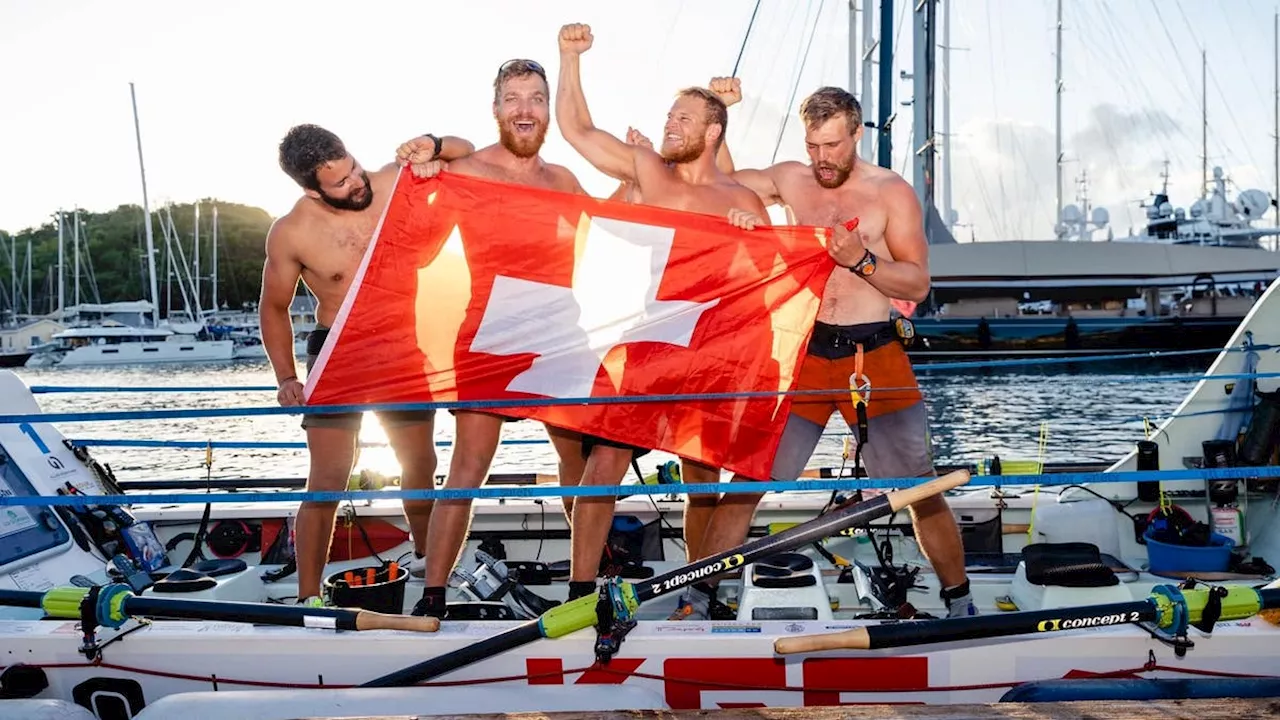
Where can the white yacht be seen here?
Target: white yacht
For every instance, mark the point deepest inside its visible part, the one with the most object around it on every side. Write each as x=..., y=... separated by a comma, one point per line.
x=125, y=345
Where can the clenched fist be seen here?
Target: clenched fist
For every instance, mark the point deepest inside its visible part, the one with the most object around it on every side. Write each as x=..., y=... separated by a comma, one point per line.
x=575, y=38
x=416, y=151
x=729, y=90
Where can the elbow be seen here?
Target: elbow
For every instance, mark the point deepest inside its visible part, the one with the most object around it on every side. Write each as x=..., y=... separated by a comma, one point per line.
x=921, y=293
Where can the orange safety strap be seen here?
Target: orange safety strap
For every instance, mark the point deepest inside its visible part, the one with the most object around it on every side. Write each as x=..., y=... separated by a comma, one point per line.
x=859, y=383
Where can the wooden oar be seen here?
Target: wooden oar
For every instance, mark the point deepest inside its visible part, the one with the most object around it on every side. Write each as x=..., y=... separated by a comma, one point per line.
x=116, y=603
x=581, y=613
x=1162, y=608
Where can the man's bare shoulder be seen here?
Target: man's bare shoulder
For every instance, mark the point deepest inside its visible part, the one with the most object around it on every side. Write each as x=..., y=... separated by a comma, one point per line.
x=563, y=179
x=882, y=178
x=477, y=164
x=285, y=231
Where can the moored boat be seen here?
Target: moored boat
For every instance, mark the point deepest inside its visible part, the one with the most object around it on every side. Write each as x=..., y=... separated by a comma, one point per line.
x=1030, y=550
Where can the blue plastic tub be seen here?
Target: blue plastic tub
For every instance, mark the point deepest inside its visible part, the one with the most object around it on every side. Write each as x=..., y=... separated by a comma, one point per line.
x=1216, y=557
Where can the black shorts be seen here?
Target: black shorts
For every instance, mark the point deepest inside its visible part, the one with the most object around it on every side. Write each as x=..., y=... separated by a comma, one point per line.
x=590, y=441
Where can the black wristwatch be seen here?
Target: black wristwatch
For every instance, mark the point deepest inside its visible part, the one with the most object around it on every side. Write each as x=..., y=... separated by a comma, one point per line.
x=439, y=144
x=866, y=267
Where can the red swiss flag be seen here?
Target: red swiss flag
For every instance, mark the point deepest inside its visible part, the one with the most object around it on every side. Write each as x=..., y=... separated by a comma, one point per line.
x=478, y=290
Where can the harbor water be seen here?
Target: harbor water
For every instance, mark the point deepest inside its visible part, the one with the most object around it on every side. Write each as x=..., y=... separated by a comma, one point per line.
x=1089, y=414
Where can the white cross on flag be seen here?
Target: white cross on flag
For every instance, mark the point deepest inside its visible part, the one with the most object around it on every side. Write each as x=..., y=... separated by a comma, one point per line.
x=476, y=290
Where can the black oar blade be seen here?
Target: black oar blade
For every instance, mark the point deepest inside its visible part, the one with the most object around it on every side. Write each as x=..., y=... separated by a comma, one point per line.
x=579, y=614
x=441, y=664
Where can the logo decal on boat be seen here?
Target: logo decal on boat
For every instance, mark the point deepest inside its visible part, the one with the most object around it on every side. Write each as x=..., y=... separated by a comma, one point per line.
x=735, y=628
x=1085, y=622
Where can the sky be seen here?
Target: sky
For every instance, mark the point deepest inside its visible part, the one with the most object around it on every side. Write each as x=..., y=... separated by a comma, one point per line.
x=218, y=85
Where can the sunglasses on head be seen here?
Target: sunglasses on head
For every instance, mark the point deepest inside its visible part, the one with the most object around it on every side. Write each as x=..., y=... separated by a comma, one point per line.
x=519, y=65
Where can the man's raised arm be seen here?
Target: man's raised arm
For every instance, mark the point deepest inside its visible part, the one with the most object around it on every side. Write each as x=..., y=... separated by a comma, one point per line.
x=729, y=90
x=607, y=153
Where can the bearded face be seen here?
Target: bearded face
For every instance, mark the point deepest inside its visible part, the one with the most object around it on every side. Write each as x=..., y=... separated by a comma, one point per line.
x=832, y=152
x=523, y=115
x=684, y=137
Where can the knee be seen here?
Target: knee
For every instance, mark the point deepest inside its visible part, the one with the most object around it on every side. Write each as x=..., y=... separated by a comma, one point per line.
x=422, y=460
x=607, y=465
x=701, y=501
x=468, y=467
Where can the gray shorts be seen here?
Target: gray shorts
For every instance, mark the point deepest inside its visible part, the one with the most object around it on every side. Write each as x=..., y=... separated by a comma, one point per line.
x=353, y=421
x=898, y=445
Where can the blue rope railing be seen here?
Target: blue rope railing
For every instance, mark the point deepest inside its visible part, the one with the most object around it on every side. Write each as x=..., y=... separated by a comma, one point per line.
x=509, y=403
x=920, y=368
x=266, y=445
x=994, y=481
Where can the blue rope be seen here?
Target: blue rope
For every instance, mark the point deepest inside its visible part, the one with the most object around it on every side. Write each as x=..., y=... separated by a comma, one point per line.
x=1081, y=478
x=260, y=445
x=920, y=367
x=1152, y=355
x=505, y=403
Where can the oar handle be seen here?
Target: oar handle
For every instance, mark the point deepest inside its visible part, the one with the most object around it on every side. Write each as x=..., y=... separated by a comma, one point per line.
x=369, y=620
x=852, y=639
x=899, y=499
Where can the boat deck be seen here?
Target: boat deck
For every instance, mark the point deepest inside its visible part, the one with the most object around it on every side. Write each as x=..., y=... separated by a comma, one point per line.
x=1206, y=709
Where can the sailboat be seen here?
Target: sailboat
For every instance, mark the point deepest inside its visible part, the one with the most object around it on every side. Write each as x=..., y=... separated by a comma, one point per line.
x=102, y=341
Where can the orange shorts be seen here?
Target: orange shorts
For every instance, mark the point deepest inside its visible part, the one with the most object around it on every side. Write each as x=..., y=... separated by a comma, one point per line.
x=893, y=384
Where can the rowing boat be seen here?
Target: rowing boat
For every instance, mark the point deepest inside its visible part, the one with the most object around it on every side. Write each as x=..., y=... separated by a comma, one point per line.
x=1063, y=578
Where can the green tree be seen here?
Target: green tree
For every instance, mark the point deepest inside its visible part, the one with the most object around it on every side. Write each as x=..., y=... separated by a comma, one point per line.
x=114, y=250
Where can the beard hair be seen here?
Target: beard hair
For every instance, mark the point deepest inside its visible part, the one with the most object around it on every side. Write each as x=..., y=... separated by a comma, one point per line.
x=522, y=147
x=348, y=203
x=690, y=152
x=842, y=172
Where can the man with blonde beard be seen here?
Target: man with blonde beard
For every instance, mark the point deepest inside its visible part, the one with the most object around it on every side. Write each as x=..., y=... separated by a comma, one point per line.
x=681, y=176
x=878, y=240
x=522, y=109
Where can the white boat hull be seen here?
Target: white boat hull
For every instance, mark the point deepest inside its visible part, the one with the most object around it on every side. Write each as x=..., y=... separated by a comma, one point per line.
x=134, y=353
x=661, y=664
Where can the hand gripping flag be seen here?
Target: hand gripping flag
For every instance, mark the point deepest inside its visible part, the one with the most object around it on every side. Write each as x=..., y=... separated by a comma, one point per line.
x=474, y=290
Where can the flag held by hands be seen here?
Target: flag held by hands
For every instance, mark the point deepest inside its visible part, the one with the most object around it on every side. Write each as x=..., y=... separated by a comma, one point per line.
x=477, y=290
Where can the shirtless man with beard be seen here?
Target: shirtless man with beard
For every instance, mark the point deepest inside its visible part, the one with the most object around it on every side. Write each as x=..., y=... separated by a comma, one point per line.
x=522, y=109
x=682, y=176
x=885, y=258
x=322, y=241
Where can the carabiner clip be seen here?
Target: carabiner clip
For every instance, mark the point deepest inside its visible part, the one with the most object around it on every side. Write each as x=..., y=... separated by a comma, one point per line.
x=860, y=388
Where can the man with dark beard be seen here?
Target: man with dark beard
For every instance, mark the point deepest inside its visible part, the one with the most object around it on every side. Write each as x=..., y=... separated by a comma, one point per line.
x=886, y=255
x=682, y=176
x=522, y=109
x=322, y=241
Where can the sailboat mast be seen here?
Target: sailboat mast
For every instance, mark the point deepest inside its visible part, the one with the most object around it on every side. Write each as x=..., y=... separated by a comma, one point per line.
x=868, y=68
x=76, y=244
x=923, y=43
x=945, y=138
x=13, y=275
x=885, y=102
x=146, y=213
x=1275, y=49
x=61, y=271
x=214, y=289
x=1059, y=229
x=1204, y=125
x=195, y=261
